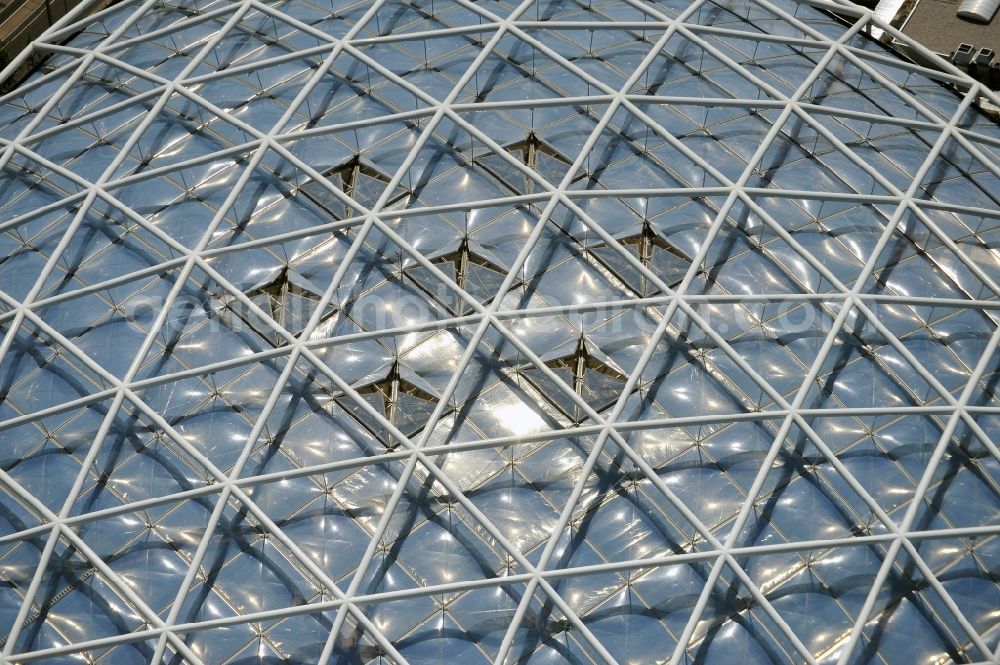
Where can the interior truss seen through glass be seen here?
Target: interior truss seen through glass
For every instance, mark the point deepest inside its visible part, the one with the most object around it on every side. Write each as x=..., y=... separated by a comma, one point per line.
x=455, y=331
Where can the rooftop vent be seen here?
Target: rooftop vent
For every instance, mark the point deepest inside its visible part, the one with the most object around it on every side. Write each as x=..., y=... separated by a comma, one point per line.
x=963, y=54
x=978, y=10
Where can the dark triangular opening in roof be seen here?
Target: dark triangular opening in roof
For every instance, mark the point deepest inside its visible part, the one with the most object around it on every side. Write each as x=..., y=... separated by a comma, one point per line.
x=391, y=285
x=591, y=380
x=470, y=271
x=535, y=154
x=357, y=179
x=447, y=170
x=666, y=262
x=288, y=298
x=491, y=394
x=406, y=405
x=314, y=423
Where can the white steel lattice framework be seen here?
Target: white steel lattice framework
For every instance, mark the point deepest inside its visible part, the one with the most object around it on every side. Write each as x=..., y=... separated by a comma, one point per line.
x=454, y=331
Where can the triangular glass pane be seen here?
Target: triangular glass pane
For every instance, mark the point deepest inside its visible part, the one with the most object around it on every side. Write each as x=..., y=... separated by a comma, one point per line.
x=150, y=550
x=621, y=517
x=606, y=54
x=74, y=603
x=958, y=177
x=246, y=569
x=684, y=68
x=800, y=158
x=27, y=248
x=180, y=132
x=891, y=149
x=183, y=202
x=335, y=20
x=818, y=592
x=37, y=372
x=842, y=84
x=432, y=65
x=175, y=50
x=89, y=150
x=397, y=17
x=910, y=622
x=18, y=565
x=515, y=69
x=629, y=155
x=524, y=488
x=965, y=476
x=111, y=325
x=138, y=461
x=843, y=233
x=546, y=634
x=107, y=245
x=804, y=497
x=302, y=637
x=962, y=567
x=862, y=370
x=215, y=412
x=204, y=327
x=940, y=98
x=783, y=66
x=45, y=457
x=734, y=622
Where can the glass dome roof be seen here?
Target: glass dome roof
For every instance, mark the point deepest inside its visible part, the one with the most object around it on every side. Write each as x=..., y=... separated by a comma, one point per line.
x=442, y=331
